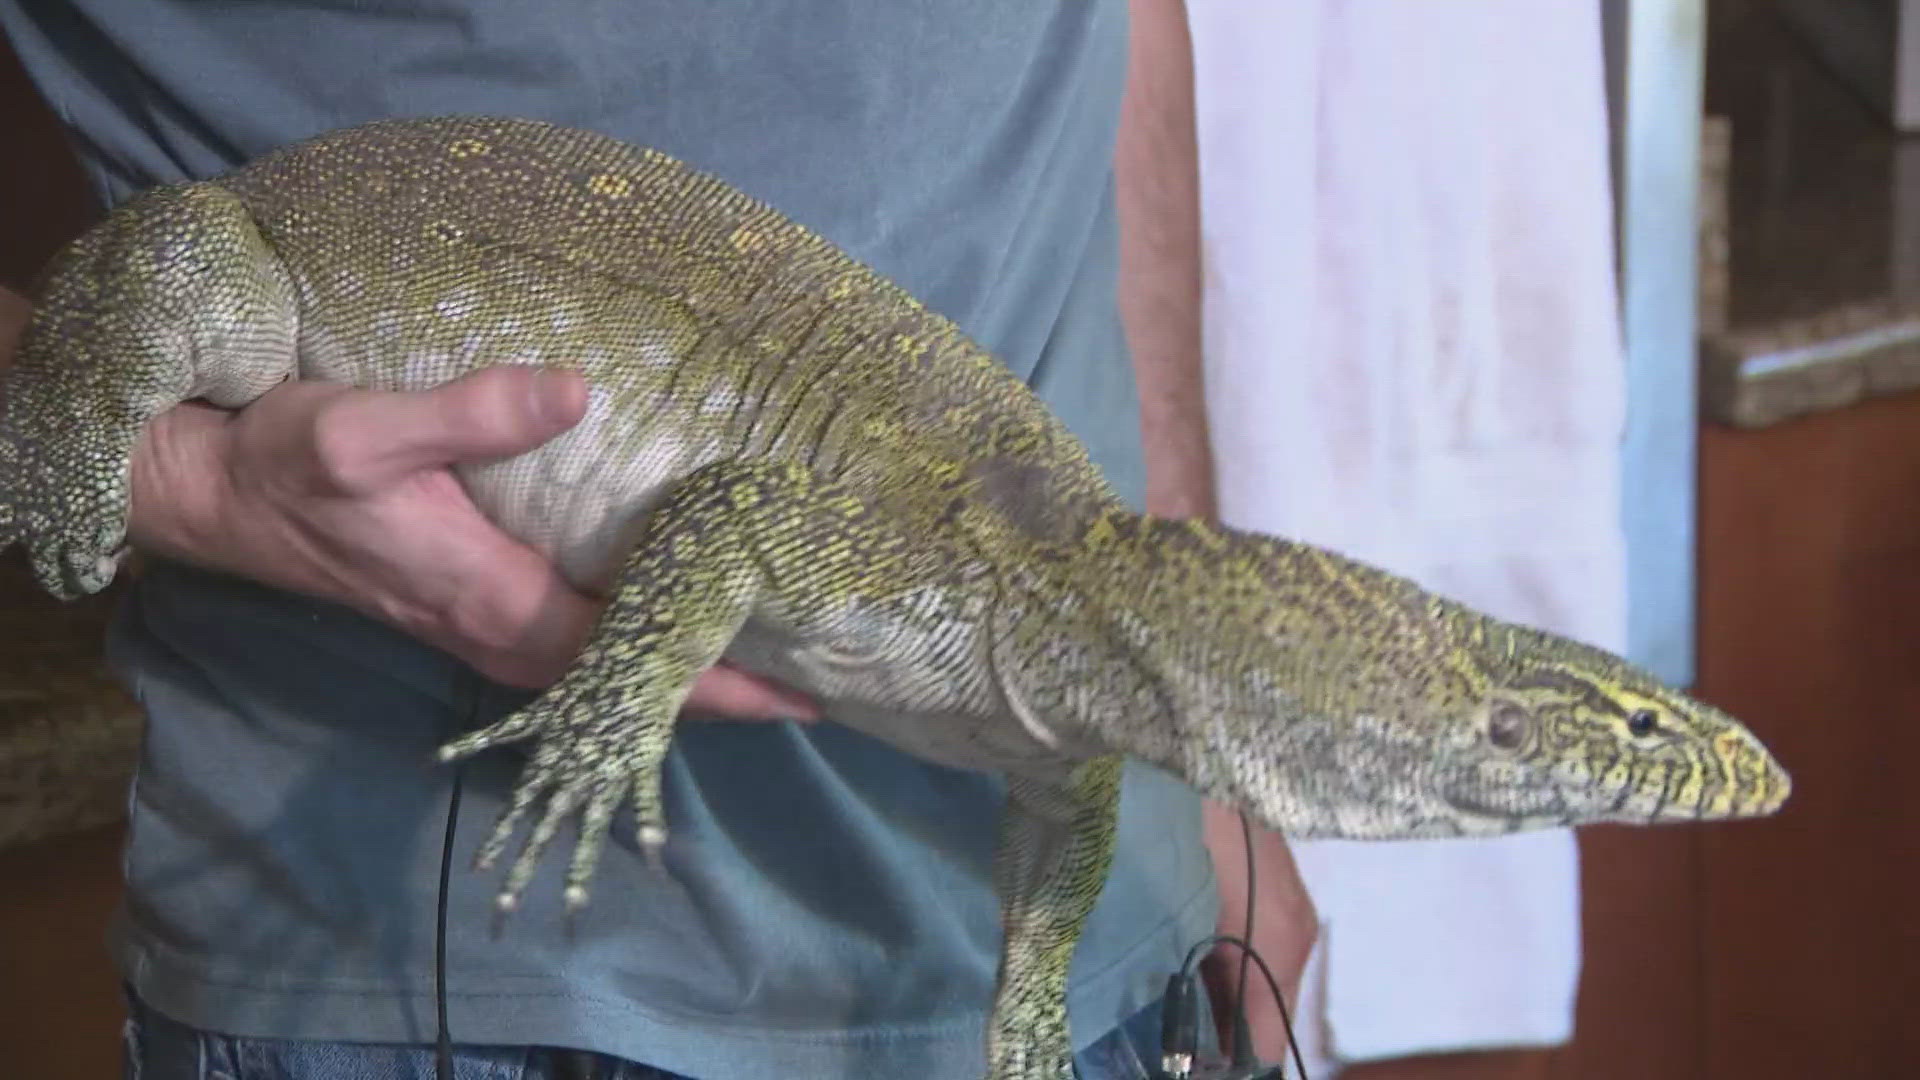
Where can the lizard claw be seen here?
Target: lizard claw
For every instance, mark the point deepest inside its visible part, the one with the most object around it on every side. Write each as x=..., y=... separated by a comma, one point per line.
x=653, y=842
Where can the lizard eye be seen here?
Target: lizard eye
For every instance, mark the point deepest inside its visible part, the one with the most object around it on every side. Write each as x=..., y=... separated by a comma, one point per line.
x=1508, y=727
x=1643, y=721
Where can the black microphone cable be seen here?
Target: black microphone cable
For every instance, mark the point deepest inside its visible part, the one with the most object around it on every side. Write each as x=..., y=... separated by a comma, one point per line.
x=1180, y=1013
x=443, y=1050
x=443, y=1042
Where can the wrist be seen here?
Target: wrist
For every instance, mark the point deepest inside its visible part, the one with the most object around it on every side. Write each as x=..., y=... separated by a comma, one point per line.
x=175, y=482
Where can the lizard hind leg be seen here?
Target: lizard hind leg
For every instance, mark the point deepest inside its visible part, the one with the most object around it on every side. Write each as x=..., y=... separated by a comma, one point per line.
x=174, y=296
x=1056, y=844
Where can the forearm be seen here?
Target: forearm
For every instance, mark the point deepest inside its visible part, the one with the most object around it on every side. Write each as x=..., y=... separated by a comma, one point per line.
x=1280, y=900
x=1157, y=179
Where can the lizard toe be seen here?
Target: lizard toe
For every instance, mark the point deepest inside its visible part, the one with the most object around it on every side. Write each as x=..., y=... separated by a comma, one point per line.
x=537, y=777
x=540, y=719
x=586, y=851
x=561, y=805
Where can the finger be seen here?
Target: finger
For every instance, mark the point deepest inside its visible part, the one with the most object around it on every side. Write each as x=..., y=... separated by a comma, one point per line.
x=730, y=692
x=364, y=440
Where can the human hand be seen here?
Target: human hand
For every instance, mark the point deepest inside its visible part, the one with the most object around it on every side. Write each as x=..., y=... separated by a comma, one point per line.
x=1283, y=931
x=346, y=494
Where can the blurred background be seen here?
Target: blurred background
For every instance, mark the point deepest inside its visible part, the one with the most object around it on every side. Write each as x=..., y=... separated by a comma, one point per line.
x=1763, y=163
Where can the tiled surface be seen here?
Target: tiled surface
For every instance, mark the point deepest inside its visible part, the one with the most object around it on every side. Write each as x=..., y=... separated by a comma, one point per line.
x=1811, y=200
x=1822, y=232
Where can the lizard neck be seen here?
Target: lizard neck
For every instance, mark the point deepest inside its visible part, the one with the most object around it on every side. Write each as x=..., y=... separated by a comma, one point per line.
x=1282, y=677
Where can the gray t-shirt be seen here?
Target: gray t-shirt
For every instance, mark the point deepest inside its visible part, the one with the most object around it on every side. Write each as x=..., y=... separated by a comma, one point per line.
x=827, y=907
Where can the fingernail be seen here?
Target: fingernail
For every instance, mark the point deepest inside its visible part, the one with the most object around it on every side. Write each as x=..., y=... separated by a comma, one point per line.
x=553, y=396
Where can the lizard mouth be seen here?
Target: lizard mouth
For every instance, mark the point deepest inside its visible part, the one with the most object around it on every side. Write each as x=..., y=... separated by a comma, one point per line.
x=1486, y=810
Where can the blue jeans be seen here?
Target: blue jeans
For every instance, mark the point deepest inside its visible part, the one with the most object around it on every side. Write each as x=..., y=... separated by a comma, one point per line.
x=158, y=1048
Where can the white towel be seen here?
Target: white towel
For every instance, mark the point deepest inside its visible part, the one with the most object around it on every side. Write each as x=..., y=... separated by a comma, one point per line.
x=1413, y=357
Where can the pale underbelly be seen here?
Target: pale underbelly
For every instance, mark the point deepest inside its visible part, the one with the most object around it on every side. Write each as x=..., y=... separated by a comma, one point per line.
x=949, y=713
x=582, y=498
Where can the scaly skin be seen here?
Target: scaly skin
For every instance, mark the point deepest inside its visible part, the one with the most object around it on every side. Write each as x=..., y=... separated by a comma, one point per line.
x=789, y=462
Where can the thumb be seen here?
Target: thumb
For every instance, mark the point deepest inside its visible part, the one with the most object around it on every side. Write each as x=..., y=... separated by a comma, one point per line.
x=370, y=439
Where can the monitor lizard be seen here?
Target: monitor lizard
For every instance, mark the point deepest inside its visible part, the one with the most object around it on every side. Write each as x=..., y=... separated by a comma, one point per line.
x=789, y=462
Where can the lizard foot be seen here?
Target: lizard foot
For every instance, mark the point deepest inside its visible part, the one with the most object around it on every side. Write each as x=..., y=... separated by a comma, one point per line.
x=67, y=509
x=1031, y=1059
x=81, y=561
x=600, y=738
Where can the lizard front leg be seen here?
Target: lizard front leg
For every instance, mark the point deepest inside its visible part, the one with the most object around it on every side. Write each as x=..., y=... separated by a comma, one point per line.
x=1056, y=844
x=730, y=539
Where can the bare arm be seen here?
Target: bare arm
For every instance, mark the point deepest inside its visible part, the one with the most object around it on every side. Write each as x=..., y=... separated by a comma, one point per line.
x=1160, y=295
x=1158, y=180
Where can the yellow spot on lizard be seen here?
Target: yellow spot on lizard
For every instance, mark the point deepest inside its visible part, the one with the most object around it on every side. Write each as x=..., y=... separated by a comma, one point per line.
x=747, y=240
x=610, y=185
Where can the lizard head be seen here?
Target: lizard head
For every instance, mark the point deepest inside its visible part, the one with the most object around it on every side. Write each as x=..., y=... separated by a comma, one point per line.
x=1568, y=734
x=1328, y=698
